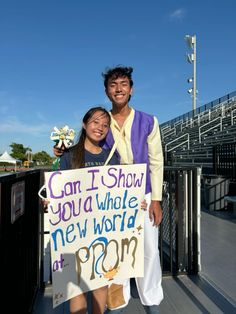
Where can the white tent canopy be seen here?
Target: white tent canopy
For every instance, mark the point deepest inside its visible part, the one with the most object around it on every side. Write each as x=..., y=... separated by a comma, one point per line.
x=7, y=158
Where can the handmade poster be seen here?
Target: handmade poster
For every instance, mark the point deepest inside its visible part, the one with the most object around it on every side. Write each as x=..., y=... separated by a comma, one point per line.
x=96, y=227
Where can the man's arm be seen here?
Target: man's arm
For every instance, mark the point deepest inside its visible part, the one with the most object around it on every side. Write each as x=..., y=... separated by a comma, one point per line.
x=156, y=173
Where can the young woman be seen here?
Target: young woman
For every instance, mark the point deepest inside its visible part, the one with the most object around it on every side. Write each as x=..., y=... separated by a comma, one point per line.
x=88, y=153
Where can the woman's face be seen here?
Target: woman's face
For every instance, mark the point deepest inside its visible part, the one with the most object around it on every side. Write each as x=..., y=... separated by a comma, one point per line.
x=97, y=127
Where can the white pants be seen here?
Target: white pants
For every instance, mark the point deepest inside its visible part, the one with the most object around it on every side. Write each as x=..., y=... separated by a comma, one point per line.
x=149, y=287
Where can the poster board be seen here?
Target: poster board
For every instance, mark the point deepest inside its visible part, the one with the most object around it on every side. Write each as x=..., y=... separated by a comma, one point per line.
x=96, y=227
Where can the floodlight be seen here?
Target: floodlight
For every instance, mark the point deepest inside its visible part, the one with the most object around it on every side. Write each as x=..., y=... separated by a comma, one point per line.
x=190, y=57
x=190, y=40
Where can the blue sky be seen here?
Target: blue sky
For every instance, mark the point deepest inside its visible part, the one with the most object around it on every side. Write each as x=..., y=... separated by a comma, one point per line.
x=52, y=54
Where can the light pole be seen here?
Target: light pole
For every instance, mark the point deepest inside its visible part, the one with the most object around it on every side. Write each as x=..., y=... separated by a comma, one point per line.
x=192, y=58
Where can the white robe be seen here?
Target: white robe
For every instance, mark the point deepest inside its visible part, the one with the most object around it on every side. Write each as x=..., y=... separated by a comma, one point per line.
x=149, y=287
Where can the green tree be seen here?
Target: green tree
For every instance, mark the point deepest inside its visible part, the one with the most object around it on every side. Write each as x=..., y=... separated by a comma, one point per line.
x=42, y=158
x=19, y=151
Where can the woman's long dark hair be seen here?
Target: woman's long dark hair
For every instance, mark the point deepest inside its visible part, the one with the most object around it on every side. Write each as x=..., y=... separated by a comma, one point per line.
x=78, y=150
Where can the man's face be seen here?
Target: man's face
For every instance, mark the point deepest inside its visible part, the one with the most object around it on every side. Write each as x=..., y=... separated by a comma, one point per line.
x=118, y=91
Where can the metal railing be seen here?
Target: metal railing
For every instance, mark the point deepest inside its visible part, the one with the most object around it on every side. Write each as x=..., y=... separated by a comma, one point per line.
x=179, y=144
x=227, y=99
x=207, y=130
x=169, y=133
x=180, y=229
x=233, y=116
x=19, y=239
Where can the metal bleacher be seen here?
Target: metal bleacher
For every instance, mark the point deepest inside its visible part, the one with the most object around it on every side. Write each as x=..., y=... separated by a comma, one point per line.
x=189, y=139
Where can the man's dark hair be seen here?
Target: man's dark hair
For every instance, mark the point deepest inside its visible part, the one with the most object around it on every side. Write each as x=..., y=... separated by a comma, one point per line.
x=118, y=71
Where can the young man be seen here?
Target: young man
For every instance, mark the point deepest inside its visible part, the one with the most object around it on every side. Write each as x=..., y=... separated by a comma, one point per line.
x=138, y=141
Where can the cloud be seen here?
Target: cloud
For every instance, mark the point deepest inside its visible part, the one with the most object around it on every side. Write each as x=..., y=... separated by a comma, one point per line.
x=178, y=14
x=14, y=125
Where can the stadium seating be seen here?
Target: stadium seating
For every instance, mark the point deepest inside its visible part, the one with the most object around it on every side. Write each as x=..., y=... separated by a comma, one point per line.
x=189, y=139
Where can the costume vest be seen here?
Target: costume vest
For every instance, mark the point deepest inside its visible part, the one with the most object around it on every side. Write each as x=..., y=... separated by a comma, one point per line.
x=142, y=126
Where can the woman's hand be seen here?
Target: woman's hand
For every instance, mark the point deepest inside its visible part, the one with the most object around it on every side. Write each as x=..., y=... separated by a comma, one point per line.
x=144, y=205
x=45, y=203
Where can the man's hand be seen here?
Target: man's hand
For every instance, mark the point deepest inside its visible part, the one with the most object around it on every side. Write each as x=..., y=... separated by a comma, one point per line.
x=155, y=213
x=58, y=152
